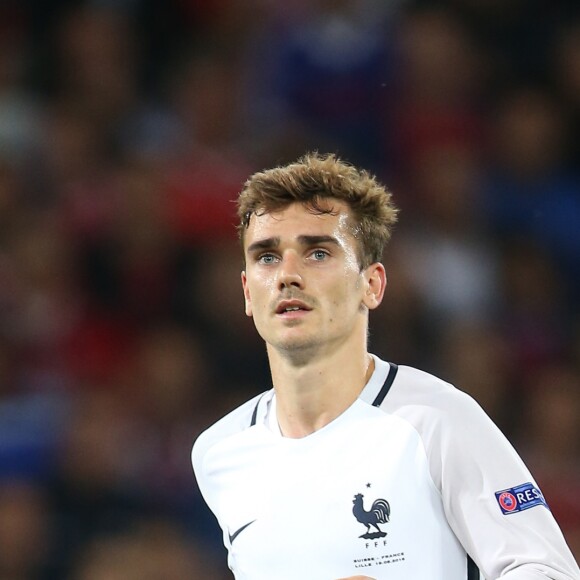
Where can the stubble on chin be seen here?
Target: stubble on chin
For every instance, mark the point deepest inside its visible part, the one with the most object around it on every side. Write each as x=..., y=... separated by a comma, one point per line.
x=298, y=352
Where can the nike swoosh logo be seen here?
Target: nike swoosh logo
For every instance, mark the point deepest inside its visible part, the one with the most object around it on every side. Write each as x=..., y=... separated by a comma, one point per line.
x=239, y=531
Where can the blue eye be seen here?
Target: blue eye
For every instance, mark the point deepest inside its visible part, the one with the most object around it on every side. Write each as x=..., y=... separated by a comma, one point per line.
x=319, y=255
x=267, y=259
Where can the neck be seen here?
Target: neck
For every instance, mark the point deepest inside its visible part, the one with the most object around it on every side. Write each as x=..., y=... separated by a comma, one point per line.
x=311, y=394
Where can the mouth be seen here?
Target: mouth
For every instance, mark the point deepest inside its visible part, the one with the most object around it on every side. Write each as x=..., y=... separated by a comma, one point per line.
x=290, y=307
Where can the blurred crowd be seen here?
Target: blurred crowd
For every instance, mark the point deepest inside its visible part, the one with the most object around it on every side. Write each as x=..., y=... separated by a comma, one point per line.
x=127, y=127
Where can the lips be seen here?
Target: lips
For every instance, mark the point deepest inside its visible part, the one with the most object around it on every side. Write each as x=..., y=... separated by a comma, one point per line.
x=291, y=306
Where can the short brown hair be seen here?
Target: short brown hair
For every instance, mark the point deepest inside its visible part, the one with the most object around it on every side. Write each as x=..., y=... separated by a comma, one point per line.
x=314, y=177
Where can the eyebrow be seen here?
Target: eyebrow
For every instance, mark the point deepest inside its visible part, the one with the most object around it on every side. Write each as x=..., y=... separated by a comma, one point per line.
x=265, y=244
x=304, y=240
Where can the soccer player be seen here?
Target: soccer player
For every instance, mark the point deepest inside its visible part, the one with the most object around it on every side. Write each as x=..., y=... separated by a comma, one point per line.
x=351, y=466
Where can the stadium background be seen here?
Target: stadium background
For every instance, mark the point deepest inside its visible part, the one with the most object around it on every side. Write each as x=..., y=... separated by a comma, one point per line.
x=126, y=129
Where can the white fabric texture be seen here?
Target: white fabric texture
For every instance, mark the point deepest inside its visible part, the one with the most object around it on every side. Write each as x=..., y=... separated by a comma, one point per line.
x=403, y=490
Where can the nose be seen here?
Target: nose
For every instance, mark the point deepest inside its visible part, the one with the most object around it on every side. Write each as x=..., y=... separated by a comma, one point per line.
x=289, y=273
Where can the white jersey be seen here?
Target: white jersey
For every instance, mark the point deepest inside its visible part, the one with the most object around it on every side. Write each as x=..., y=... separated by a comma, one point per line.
x=412, y=481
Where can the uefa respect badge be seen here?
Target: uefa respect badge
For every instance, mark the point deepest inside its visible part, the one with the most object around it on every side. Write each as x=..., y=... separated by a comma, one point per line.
x=519, y=498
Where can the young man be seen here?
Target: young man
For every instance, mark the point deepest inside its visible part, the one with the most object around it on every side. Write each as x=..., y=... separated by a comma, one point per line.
x=351, y=466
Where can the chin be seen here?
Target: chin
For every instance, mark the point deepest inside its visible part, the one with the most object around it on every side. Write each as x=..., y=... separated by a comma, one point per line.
x=297, y=347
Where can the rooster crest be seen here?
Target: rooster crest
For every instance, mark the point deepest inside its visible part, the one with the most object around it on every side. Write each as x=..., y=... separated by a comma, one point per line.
x=379, y=513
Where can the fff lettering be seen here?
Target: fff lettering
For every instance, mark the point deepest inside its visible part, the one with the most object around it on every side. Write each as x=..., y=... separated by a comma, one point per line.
x=375, y=544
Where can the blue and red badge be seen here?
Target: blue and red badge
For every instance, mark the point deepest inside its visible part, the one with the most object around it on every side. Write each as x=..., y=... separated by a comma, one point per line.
x=520, y=498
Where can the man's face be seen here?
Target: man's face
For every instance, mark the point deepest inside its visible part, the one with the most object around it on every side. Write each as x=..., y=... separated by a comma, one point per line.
x=303, y=285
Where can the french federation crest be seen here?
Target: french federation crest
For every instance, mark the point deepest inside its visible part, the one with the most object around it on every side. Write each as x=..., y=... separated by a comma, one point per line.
x=379, y=513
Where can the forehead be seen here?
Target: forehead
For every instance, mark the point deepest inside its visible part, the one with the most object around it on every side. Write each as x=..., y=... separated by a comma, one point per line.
x=299, y=219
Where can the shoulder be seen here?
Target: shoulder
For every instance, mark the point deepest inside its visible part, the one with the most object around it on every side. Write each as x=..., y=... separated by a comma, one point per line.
x=432, y=405
x=456, y=432
x=414, y=388
x=448, y=420
x=236, y=421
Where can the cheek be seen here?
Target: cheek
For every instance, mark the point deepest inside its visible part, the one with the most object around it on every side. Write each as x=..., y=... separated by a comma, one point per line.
x=262, y=280
x=345, y=296
x=259, y=294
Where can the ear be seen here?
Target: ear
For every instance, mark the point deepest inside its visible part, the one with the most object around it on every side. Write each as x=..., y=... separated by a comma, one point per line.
x=376, y=282
x=247, y=299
